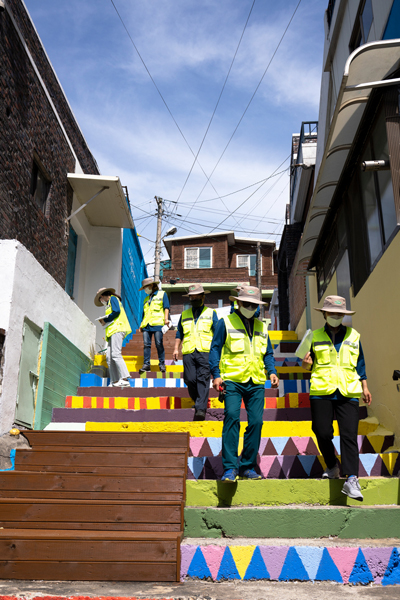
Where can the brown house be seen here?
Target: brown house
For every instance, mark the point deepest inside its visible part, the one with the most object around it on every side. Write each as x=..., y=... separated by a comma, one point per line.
x=219, y=261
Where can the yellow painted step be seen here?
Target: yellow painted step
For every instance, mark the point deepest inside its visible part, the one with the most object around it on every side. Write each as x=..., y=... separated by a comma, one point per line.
x=214, y=428
x=286, y=336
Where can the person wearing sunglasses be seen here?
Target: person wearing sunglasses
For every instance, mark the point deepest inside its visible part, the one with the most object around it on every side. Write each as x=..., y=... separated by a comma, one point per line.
x=241, y=358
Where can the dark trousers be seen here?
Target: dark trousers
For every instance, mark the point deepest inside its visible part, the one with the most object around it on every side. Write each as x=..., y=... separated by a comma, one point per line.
x=196, y=375
x=253, y=398
x=158, y=338
x=323, y=411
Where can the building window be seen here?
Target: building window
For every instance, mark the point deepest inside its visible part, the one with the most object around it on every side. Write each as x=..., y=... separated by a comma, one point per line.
x=248, y=261
x=220, y=303
x=362, y=26
x=198, y=258
x=40, y=186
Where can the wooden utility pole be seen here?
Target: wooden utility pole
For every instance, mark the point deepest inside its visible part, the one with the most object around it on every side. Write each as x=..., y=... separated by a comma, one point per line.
x=157, y=253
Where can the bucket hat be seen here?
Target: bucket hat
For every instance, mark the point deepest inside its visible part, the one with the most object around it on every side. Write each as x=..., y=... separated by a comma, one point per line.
x=100, y=292
x=148, y=281
x=195, y=289
x=335, y=304
x=235, y=290
x=248, y=293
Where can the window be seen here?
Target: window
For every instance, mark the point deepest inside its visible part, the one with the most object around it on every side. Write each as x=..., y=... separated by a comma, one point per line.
x=198, y=258
x=40, y=186
x=362, y=26
x=248, y=261
x=220, y=303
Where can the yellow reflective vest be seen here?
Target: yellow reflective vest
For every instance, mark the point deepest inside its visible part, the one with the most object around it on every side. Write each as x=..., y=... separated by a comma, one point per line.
x=153, y=313
x=197, y=336
x=335, y=370
x=242, y=359
x=121, y=323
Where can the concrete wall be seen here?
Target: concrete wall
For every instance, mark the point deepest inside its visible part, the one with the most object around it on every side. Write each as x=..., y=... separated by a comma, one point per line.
x=29, y=291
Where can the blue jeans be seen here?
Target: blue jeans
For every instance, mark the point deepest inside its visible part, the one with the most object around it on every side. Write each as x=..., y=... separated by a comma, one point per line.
x=158, y=337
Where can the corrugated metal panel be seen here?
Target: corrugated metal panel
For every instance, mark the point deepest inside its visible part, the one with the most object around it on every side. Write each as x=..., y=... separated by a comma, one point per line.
x=133, y=272
x=60, y=368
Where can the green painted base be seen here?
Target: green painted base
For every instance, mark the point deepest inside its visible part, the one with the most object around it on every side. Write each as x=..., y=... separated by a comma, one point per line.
x=305, y=522
x=281, y=492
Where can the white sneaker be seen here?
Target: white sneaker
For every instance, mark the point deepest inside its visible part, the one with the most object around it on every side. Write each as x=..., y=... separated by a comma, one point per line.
x=352, y=489
x=121, y=383
x=333, y=473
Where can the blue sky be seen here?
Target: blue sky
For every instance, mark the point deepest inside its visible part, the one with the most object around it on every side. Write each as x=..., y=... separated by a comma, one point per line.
x=188, y=47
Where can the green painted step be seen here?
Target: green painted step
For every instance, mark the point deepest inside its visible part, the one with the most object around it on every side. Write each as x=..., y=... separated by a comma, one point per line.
x=293, y=522
x=377, y=491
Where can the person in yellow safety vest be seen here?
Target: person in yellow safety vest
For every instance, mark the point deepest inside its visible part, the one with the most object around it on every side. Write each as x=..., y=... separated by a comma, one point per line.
x=194, y=333
x=338, y=381
x=241, y=352
x=117, y=328
x=234, y=304
x=155, y=316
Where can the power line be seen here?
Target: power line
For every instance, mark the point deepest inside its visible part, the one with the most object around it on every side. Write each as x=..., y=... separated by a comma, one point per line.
x=219, y=98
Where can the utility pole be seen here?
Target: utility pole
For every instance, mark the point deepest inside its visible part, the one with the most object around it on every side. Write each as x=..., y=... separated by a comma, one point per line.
x=258, y=272
x=157, y=254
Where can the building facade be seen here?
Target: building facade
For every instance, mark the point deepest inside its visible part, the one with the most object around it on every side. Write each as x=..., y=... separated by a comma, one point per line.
x=350, y=243
x=218, y=261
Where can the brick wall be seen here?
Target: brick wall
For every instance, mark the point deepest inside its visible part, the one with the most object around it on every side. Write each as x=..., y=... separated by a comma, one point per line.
x=28, y=128
x=297, y=295
x=287, y=251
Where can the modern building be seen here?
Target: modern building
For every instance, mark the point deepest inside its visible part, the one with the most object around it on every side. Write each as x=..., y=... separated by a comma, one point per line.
x=350, y=243
x=65, y=229
x=219, y=261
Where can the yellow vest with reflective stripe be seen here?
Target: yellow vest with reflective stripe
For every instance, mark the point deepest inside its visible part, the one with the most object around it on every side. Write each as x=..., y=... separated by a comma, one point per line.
x=153, y=313
x=197, y=336
x=335, y=370
x=121, y=323
x=242, y=359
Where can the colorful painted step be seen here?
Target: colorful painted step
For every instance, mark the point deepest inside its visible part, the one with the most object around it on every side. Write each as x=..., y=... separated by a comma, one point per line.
x=340, y=563
x=296, y=467
x=149, y=392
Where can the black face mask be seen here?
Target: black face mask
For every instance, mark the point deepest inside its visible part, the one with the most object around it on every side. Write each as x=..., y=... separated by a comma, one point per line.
x=196, y=303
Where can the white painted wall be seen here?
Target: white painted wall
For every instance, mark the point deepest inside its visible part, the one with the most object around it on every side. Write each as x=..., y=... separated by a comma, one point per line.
x=29, y=291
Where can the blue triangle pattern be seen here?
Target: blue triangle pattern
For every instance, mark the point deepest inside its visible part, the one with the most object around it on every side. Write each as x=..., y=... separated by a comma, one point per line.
x=256, y=568
x=279, y=443
x=306, y=462
x=215, y=444
x=196, y=464
x=227, y=569
x=336, y=443
x=293, y=568
x=198, y=566
x=327, y=570
x=392, y=573
x=368, y=461
x=310, y=556
x=361, y=572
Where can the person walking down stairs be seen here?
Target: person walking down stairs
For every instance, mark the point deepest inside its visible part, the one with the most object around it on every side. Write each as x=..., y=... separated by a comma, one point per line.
x=117, y=328
x=241, y=352
x=155, y=316
x=338, y=381
x=194, y=333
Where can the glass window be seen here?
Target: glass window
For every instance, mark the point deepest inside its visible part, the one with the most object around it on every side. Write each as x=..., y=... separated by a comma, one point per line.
x=370, y=204
x=248, y=261
x=220, y=303
x=367, y=17
x=197, y=258
x=40, y=187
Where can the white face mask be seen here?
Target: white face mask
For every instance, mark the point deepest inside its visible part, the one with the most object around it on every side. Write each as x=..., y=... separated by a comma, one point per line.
x=104, y=302
x=334, y=322
x=247, y=313
x=148, y=289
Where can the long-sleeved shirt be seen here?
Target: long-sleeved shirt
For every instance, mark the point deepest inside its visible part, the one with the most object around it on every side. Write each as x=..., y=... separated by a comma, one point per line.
x=196, y=313
x=220, y=338
x=165, y=305
x=337, y=340
x=114, y=314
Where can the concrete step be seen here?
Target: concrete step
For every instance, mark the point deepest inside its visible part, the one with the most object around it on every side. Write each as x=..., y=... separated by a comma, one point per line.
x=347, y=561
x=178, y=414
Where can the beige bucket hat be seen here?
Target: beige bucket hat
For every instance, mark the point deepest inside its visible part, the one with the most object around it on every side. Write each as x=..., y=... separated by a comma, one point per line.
x=235, y=290
x=335, y=304
x=248, y=293
x=100, y=292
x=148, y=281
x=195, y=289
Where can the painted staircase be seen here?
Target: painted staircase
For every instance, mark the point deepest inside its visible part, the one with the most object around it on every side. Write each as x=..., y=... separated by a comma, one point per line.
x=292, y=525
x=94, y=506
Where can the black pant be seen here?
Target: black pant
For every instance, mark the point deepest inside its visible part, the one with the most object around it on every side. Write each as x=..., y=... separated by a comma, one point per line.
x=347, y=415
x=196, y=375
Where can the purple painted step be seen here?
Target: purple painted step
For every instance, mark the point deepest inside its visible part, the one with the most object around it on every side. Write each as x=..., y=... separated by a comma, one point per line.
x=111, y=415
x=131, y=392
